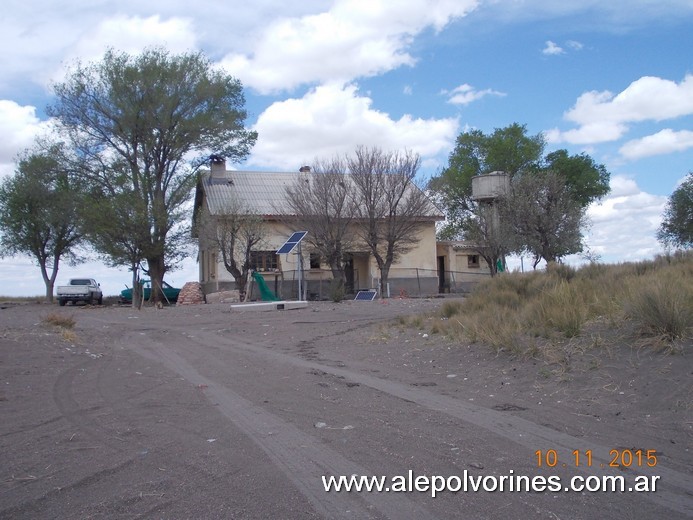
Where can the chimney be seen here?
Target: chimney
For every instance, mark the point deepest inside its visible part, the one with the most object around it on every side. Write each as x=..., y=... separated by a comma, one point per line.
x=304, y=169
x=217, y=166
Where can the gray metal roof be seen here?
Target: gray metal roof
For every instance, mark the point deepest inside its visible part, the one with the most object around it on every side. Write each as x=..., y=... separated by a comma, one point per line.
x=263, y=193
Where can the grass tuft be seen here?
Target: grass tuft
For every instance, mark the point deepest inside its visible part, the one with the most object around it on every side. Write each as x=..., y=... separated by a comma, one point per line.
x=60, y=320
x=661, y=307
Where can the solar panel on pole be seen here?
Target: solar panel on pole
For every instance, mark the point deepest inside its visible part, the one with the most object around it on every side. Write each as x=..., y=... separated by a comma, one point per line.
x=292, y=242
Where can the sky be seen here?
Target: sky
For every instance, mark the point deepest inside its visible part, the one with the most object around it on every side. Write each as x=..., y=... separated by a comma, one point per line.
x=612, y=79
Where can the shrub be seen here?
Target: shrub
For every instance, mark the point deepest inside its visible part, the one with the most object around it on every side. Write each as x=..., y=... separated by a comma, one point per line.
x=561, y=271
x=450, y=309
x=508, y=311
x=337, y=291
x=561, y=309
x=60, y=320
x=662, y=307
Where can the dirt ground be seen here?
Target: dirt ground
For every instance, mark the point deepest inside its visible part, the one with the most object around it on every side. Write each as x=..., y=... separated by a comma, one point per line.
x=203, y=412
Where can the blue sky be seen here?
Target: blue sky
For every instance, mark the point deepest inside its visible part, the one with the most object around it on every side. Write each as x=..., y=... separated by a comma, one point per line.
x=613, y=79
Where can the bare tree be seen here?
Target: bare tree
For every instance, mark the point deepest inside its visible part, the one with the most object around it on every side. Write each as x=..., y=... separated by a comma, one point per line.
x=390, y=204
x=235, y=231
x=490, y=234
x=321, y=202
x=546, y=218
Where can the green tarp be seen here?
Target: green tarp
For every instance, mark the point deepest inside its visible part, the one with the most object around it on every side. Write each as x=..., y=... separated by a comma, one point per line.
x=265, y=293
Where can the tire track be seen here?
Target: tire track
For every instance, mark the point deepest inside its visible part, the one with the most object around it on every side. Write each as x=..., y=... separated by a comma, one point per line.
x=300, y=456
x=676, y=488
x=675, y=491
x=73, y=413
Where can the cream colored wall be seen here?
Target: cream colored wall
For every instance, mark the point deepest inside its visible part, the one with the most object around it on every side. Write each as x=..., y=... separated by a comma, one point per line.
x=423, y=257
x=457, y=261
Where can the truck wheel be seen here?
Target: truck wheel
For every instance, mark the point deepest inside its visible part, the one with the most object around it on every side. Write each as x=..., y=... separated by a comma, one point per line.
x=100, y=300
x=61, y=303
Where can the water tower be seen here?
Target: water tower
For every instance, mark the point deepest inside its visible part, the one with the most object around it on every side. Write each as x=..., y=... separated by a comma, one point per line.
x=485, y=190
x=488, y=187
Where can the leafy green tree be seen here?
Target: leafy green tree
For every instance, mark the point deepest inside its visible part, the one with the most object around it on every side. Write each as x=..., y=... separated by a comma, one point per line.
x=114, y=223
x=39, y=213
x=576, y=178
x=586, y=180
x=677, y=226
x=508, y=149
x=142, y=126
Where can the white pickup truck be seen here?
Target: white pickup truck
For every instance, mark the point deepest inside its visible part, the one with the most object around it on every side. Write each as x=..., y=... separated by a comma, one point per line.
x=80, y=290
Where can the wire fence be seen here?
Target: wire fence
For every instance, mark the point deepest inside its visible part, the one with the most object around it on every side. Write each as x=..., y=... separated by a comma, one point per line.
x=402, y=283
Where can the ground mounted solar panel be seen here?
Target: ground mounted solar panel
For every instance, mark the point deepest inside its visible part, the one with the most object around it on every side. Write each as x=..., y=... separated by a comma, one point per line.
x=365, y=296
x=292, y=242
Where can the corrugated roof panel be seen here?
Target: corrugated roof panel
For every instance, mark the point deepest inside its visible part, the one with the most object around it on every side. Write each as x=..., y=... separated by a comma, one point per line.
x=264, y=193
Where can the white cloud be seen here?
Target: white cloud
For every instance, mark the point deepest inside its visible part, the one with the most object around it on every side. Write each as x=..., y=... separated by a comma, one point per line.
x=18, y=127
x=663, y=142
x=352, y=39
x=466, y=94
x=131, y=34
x=552, y=49
x=622, y=186
x=646, y=98
x=407, y=90
x=38, y=35
x=333, y=119
x=624, y=224
x=598, y=132
x=603, y=116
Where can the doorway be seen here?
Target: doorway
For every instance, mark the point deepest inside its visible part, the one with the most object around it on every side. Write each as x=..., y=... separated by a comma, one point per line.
x=441, y=274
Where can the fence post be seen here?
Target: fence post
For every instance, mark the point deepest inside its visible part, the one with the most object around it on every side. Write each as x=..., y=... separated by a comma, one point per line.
x=418, y=281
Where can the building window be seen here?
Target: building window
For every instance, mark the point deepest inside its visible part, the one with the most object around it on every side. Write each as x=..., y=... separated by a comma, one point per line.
x=315, y=260
x=263, y=260
x=472, y=260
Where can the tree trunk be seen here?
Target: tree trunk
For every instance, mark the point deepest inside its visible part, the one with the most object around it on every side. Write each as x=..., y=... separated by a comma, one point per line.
x=384, y=276
x=49, y=291
x=49, y=281
x=156, y=268
x=241, y=282
x=338, y=274
x=136, y=288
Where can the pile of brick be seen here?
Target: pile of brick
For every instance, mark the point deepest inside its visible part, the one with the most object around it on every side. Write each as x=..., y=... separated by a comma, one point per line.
x=191, y=294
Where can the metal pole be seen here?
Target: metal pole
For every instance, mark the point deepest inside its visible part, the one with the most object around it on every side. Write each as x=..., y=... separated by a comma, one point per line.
x=300, y=272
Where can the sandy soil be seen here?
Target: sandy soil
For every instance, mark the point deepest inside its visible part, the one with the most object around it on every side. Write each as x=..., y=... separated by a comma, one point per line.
x=200, y=412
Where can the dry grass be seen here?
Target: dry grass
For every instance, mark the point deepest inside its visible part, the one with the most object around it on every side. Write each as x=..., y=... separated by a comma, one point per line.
x=548, y=313
x=65, y=324
x=23, y=299
x=60, y=320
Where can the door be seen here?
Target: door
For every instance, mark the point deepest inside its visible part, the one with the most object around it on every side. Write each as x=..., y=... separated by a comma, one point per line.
x=349, y=273
x=441, y=274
